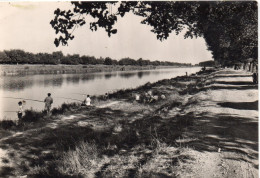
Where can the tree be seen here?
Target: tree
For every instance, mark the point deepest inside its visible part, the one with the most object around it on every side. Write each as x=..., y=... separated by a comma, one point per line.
x=57, y=56
x=108, y=61
x=4, y=59
x=17, y=56
x=229, y=28
x=127, y=61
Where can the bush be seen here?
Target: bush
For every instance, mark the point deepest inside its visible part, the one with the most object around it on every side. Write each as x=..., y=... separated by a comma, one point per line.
x=32, y=116
x=7, y=124
x=64, y=108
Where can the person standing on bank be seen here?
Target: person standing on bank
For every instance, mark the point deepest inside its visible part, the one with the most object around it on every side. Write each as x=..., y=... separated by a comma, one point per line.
x=20, y=111
x=48, y=101
x=88, y=100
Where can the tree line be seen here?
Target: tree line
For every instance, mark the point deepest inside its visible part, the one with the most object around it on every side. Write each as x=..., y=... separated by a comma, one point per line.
x=17, y=56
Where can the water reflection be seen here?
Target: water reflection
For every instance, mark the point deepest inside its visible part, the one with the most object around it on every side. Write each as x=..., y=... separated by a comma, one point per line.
x=47, y=81
x=19, y=83
x=127, y=74
x=109, y=75
x=11, y=83
x=57, y=82
x=89, y=77
x=73, y=79
x=140, y=74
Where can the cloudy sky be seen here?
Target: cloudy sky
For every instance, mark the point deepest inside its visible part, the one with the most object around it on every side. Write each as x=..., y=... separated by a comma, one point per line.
x=27, y=26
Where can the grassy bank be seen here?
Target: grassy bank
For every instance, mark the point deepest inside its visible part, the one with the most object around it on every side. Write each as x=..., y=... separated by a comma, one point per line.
x=118, y=137
x=67, y=69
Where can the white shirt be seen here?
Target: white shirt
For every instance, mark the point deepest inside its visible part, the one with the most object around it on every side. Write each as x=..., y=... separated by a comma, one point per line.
x=20, y=109
x=88, y=100
x=137, y=97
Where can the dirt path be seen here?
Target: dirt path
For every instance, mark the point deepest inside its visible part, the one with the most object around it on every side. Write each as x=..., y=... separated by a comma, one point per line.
x=226, y=127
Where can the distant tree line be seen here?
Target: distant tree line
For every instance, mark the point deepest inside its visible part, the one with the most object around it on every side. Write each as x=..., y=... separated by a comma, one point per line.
x=207, y=63
x=17, y=56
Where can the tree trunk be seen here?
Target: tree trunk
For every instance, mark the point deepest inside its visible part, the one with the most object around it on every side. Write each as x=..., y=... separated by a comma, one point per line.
x=250, y=66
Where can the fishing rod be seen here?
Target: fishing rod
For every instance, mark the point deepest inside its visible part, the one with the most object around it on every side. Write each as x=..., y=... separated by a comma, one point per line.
x=10, y=111
x=39, y=100
x=69, y=98
x=79, y=93
x=24, y=99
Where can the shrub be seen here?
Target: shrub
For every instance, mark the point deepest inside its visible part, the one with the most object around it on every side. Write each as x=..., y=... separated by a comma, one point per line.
x=7, y=124
x=64, y=108
x=32, y=116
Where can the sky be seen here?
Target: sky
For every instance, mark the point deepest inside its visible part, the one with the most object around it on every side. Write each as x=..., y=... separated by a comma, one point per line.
x=26, y=26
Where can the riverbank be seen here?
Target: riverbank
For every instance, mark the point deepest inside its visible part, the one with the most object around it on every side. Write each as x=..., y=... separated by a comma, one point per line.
x=207, y=126
x=69, y=69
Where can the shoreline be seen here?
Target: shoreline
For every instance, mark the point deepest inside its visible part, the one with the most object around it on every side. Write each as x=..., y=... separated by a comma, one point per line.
x=121, y=132
x=13, y=70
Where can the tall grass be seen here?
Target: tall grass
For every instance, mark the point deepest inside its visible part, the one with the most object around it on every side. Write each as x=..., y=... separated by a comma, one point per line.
x=65, y=107
x=83, y=160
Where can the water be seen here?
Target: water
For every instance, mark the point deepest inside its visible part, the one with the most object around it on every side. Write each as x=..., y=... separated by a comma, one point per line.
x=71, y=87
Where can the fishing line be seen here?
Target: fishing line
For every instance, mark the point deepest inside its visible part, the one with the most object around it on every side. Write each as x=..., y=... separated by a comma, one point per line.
x=23, y=99
x=79, y=94
x=69, y=98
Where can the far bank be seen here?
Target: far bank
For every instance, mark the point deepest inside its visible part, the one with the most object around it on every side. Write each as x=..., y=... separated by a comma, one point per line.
x=27, y=69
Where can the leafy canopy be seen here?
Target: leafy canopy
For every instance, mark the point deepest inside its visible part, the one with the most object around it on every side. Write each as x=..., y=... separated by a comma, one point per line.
x=229, y=28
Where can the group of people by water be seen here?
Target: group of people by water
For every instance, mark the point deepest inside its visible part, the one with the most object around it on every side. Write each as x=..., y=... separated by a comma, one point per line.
x=148, y=97
x=48, y=103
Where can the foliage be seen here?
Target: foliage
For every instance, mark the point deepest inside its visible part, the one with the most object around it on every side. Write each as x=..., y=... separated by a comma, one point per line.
x=21, y=57
x=207, y=63
x=108, y=61
x=32, y=116
x=7, y=124
x=229, y=27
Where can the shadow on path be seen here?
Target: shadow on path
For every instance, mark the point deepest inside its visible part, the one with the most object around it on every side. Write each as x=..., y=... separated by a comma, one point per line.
x=234, y=83
x=240, y=105
x=230, y=133
x=226, y=76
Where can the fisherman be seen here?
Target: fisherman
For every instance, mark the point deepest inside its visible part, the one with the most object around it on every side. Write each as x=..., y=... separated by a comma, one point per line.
x=87, y=101
x=144, y=97
x=204, y=68
x=20, y=111
x=48, y=101
x=106, y=96
x=137, y=97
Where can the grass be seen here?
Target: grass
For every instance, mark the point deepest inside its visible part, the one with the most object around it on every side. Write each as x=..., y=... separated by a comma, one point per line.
x=81, y=161
x=31, y=116
x=65, y=107
x=87, y=160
